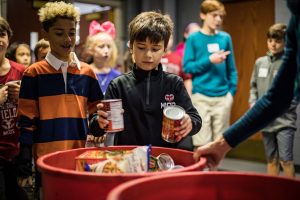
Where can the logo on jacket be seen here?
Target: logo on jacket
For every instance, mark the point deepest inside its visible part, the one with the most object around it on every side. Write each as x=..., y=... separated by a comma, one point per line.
x=169, y=97
x=169, y=101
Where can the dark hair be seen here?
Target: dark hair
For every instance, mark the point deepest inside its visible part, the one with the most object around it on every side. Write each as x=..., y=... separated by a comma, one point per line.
x=277, y=31
x=152, y=25
x=4, y=27
x=11, y=50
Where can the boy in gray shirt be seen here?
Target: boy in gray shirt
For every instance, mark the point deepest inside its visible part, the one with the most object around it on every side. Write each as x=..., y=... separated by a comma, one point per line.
x=278, y=136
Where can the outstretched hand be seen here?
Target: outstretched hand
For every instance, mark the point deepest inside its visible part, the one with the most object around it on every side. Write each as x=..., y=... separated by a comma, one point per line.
x=214, y=152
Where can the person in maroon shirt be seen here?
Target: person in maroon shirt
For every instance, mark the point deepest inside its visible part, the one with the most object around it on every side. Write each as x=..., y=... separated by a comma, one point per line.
x=172, y=63
x=10, y=76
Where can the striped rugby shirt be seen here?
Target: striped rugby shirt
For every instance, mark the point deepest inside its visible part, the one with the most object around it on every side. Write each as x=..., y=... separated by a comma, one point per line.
x=53, y=116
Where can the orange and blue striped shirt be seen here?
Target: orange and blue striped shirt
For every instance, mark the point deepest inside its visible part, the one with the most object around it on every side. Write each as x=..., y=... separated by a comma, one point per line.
x=53, y=116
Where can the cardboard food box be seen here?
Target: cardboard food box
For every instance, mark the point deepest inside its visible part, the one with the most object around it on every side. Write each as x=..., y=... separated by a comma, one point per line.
x=94, y=156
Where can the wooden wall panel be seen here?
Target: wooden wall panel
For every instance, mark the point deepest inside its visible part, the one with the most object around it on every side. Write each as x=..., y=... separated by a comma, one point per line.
x=23, y=19
x=247, y=23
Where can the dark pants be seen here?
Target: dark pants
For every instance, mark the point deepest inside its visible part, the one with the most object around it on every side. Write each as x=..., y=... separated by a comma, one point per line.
x=9, y=188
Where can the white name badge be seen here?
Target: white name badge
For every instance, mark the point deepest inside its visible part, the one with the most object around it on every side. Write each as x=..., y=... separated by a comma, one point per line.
x=275, y=73
x=263, y=72
x=212, y=48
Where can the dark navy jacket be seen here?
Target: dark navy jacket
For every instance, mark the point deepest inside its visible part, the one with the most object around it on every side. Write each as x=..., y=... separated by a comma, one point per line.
x=144, y=95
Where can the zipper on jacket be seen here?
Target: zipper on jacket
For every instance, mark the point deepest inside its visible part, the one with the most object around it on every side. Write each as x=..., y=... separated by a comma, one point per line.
x=148, y=88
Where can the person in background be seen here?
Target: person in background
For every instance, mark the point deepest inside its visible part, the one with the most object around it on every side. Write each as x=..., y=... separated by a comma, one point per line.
x=147, y=89
x=57, y=93
x=9, y=132
x=128, y=61
x=209, y=58
x=278, y=136
x=189, y=29
x=172, y=63
x=41, y=49
x=104, y=52
x=20, y=53
x=277, y=100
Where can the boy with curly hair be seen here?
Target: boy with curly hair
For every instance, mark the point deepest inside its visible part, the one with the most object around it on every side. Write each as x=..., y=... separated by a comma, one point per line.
x=57, y=93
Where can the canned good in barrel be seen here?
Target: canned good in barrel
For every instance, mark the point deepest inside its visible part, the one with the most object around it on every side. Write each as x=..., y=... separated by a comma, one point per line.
x=172, y=116
x=162, y=162
x=114, y=109
x=165, y=162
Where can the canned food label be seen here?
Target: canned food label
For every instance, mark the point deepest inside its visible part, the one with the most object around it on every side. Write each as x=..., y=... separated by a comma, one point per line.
x=172, y=116
x=115, y=116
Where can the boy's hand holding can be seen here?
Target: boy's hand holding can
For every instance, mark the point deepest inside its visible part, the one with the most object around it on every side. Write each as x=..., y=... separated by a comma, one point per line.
x=176, y=124
x=13, y=90
x=3, y=93
x=185, y=127
x=102, y=116
x=110, y=115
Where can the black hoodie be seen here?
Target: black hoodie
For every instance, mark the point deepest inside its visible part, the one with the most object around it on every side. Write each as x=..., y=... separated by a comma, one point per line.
x=144, y=95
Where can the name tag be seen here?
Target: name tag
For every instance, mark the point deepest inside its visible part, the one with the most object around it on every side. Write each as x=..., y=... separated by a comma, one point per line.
x=263, y=72
x=212, y=48
x=275, y=73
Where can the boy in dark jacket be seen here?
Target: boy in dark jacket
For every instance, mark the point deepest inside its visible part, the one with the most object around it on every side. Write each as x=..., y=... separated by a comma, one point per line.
x=147, y=89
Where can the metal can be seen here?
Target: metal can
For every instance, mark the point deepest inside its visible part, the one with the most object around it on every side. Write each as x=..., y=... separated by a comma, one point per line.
x=114, y=109
x=172, y=116
x=9, y=83
x=161, y=162
x=165, y=162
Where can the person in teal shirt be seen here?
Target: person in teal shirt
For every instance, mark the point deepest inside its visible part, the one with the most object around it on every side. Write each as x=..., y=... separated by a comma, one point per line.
x=209, y=58
x=277, y=100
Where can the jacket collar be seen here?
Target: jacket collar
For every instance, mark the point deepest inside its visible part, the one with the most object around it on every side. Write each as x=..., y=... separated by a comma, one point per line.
x=142, y=74
x=273, y=58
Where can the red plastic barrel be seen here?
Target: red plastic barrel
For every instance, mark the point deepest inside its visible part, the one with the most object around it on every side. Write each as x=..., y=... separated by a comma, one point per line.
x=61, y=181
x=208, y=186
